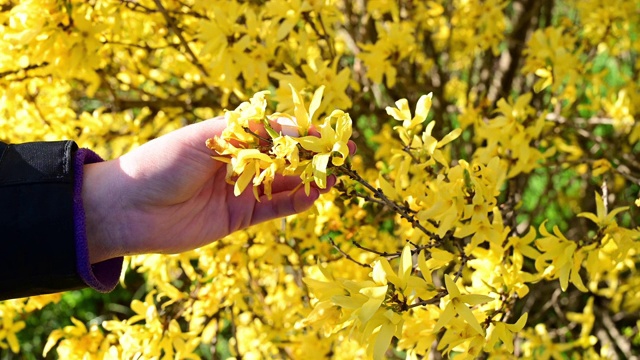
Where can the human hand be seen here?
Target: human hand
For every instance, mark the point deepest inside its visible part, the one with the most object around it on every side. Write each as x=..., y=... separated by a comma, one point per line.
x=170, y=196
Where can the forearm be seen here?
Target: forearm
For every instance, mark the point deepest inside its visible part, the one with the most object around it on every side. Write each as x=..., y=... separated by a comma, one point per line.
x=104, y=217
x=42, y=242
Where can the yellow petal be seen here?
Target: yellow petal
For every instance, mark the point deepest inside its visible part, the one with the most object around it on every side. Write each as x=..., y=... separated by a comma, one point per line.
x=422, y=109
x=376, y=296
x=475, y=299
x=615, y=212
x=383, y=340
x=406, y=263
x=300, y=111
x=243, y=180
x=449, y=137
x=590, y=216
x=445, y=317
x=315, y=103
x=423, y=266
x=390, y=274
x=312, y=143
x=402, y=111
x=468, y=316
x=451, y=286
x=600, y=210
x=519, y=325
x=320, y=162
x=52, y=340
x=378, y=274
x=348, y=302
x=14, y=344
x=386, y=188
x=344, y=125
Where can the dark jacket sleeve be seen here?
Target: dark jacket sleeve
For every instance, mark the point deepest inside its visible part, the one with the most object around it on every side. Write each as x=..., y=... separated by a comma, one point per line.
x=37, y=237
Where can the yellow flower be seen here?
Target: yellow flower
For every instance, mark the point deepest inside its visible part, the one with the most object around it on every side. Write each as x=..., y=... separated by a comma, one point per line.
x=560, y=258
x=302, y=119
x=402, y=112
x=247, y=164
x=241, y=118
x=601, y=217
x=285, y=147
x=410, y=124
x=586, y=319
x=457, y=305
x=501, y=331
x=8, y=332
x=330, y=145
x=382, y=271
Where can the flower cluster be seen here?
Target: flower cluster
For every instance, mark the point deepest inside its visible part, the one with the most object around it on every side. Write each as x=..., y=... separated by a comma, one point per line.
x=293, y=150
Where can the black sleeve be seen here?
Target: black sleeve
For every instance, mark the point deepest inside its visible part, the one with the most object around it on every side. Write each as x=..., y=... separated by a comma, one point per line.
x=37, y=235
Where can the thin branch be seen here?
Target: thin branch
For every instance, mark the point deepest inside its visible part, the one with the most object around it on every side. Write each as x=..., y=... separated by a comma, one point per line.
x=620, y=341
x=380, y=253
x=144, y=47
x=345, y=169
x=234, y=333
x=347, y=256
x=24, y=69
x=32, y=98
x=463, y=261
x=433, y=300
x=256, y=135
x=183, y=41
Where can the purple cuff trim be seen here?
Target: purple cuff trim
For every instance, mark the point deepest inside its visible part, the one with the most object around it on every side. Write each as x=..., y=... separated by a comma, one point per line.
x=104, y=275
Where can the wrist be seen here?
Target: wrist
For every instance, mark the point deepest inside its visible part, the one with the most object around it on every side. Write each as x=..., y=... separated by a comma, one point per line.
x=103, y=210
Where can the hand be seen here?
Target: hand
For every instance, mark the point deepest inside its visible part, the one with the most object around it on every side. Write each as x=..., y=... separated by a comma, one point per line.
x=169, y=196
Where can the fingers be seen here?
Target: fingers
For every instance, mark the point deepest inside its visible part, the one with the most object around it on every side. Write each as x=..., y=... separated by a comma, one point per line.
x=289, y=183
x=283, y=204
x=352, y=147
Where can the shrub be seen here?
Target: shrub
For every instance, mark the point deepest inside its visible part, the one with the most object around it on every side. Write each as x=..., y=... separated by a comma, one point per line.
x=491, y=210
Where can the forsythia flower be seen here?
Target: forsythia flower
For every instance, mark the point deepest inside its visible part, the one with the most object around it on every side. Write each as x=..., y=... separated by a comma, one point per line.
x=560, y=258
x=458, y=306
x=500, y=331
x=308, y=156
x=330, y=146
x=602, y=218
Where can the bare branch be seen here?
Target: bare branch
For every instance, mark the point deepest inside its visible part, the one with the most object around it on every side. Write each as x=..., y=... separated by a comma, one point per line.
x=347, y=256
x=183, y=41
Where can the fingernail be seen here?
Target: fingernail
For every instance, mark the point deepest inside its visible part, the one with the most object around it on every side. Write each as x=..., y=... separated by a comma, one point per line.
x=352, y=147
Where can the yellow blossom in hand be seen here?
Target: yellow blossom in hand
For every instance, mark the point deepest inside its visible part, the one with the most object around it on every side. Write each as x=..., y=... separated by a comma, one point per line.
x=241, y=119
x=256, y=158
x=330, y=146
x=303, y=118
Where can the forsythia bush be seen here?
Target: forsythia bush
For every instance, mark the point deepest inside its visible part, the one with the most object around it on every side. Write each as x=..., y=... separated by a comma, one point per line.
x=491, y=210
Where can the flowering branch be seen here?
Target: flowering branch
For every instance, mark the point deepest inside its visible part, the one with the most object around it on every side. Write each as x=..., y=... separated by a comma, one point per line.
x=401, y=210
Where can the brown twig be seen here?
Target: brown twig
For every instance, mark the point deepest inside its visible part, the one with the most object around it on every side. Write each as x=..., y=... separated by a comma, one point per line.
x=183, y=41
x=347, y=256
x=346, y=170
x=380, y=253
x=433, y=300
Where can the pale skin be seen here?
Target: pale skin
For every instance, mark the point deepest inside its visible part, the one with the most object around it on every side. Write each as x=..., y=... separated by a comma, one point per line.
x=170, y=196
